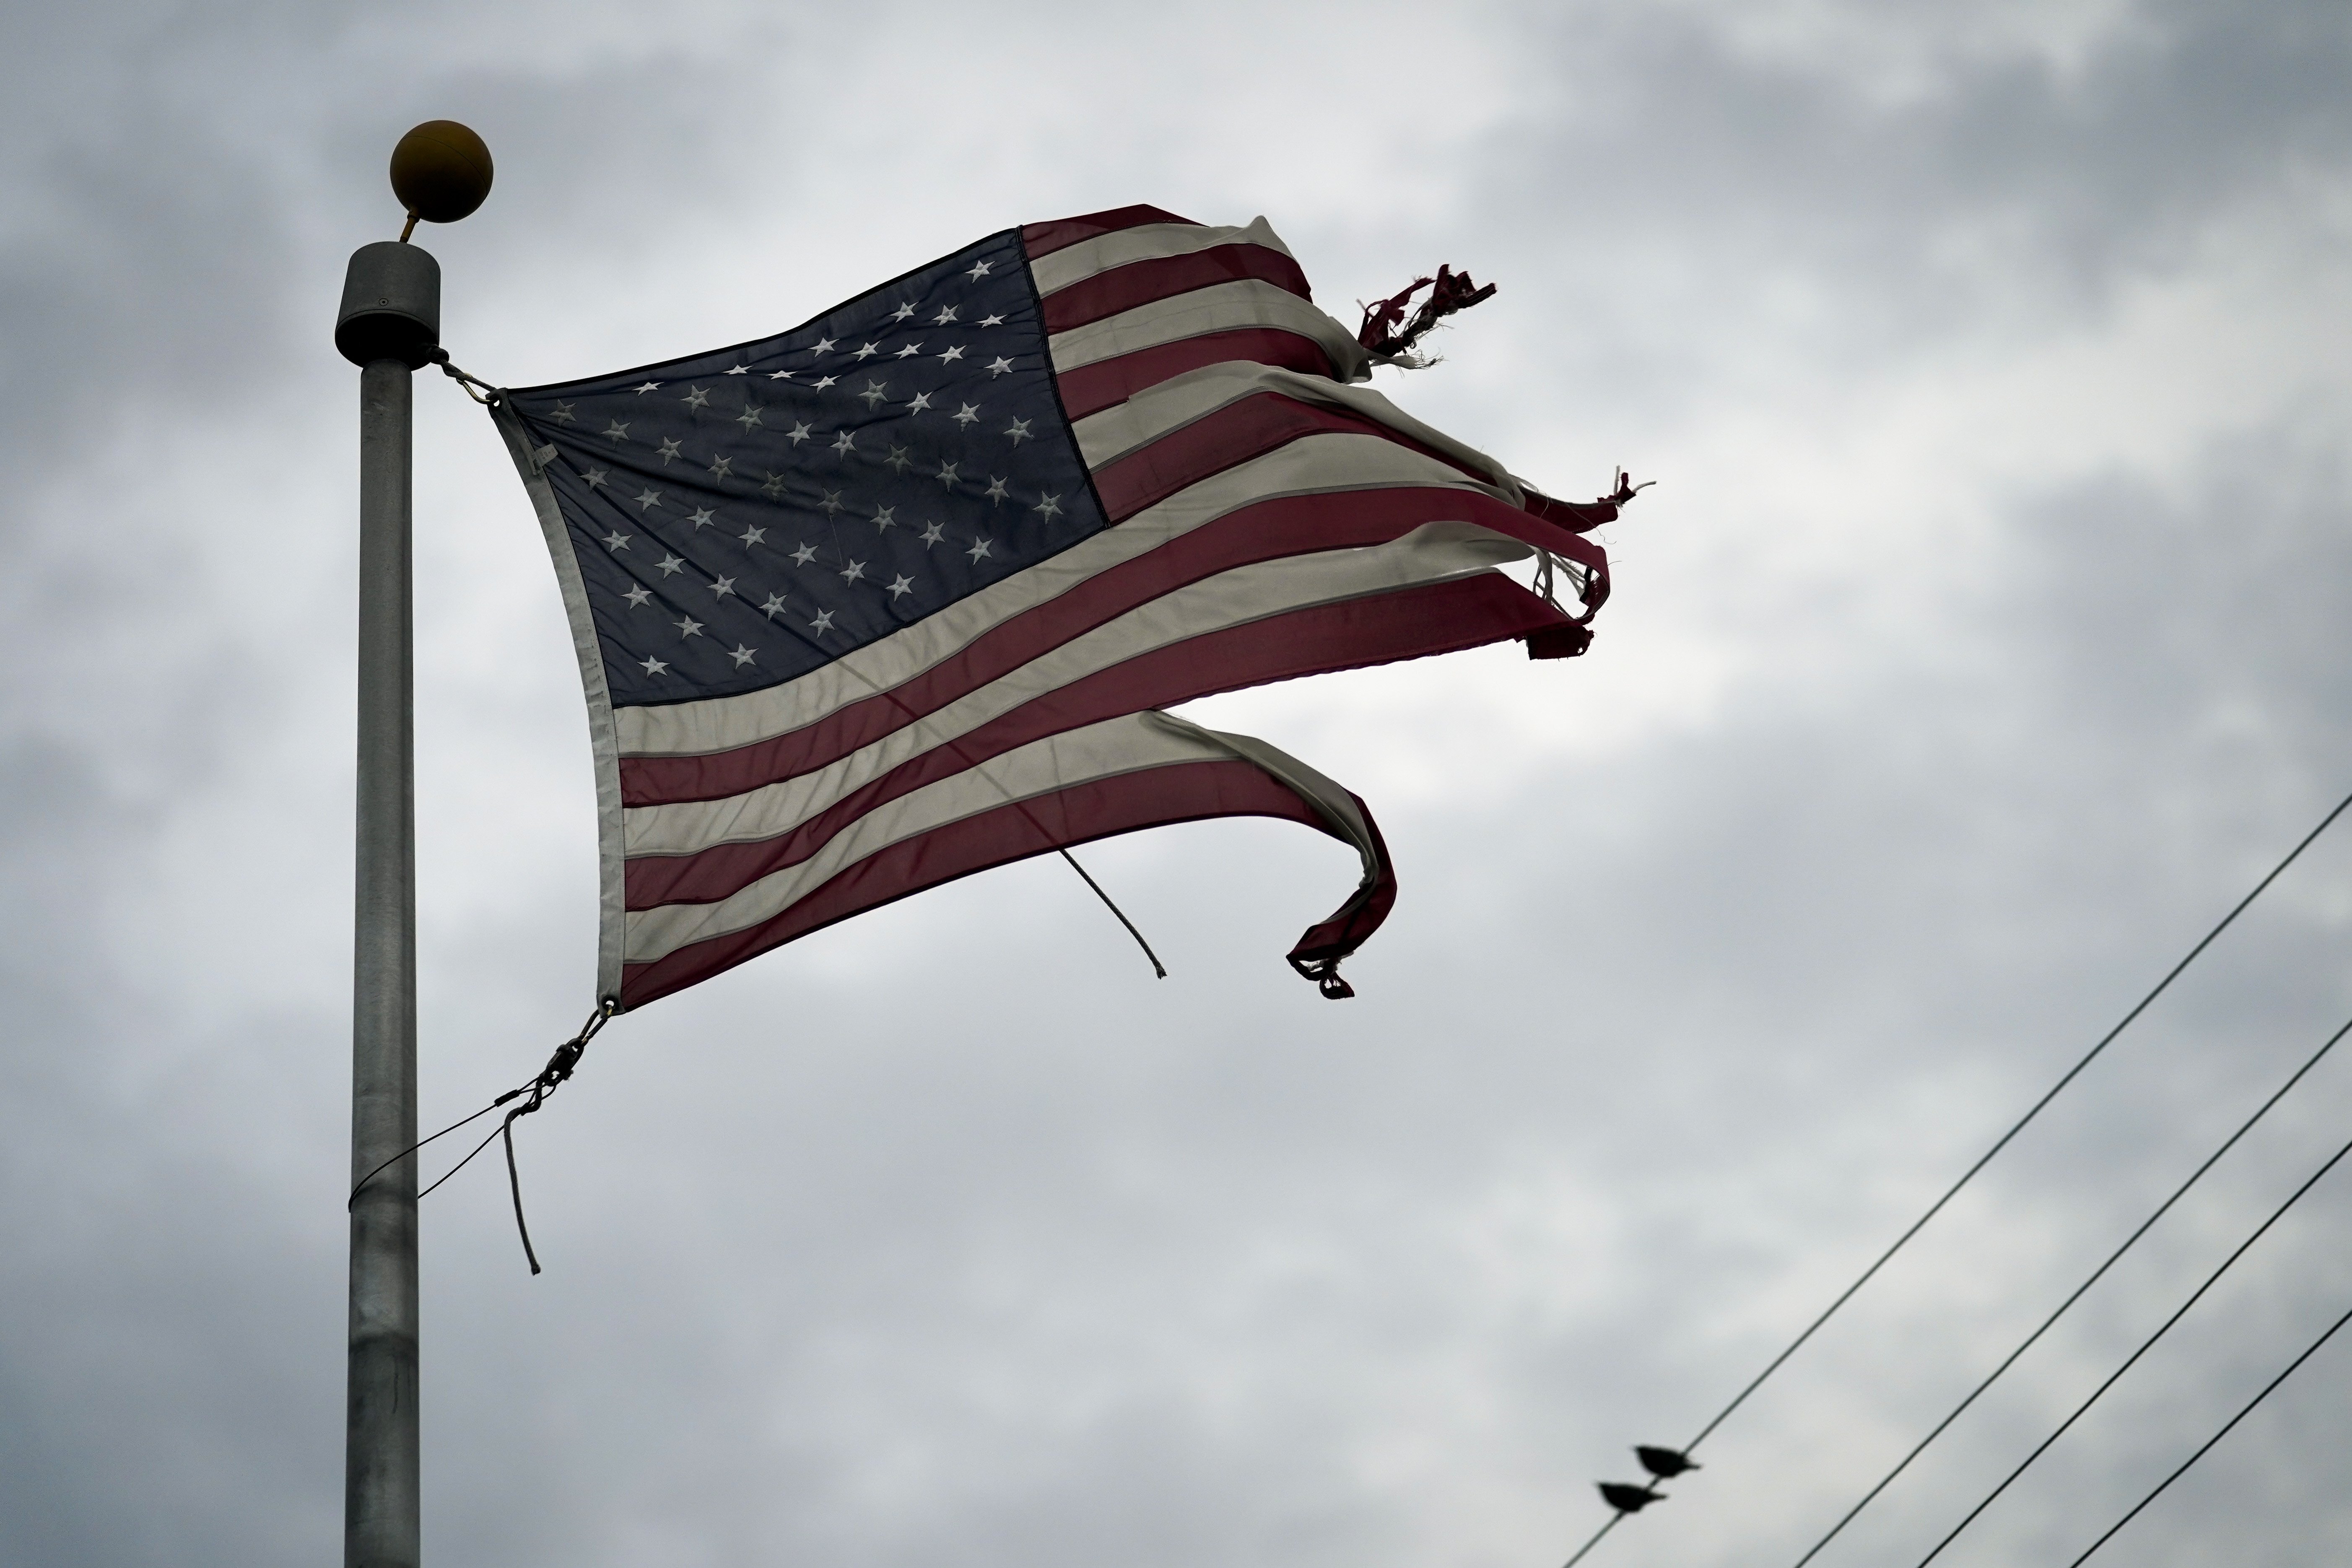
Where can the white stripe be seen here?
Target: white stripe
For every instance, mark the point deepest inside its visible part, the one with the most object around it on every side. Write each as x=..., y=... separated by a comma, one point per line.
x=1220, y=308
x=1430, y=553
x=1318, y=464
x=1127, y=744
x=1107, y=436
x=1150, y=242
x=1331, y=800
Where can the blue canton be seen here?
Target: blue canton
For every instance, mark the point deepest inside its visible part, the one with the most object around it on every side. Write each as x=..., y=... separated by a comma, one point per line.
x=744, y=517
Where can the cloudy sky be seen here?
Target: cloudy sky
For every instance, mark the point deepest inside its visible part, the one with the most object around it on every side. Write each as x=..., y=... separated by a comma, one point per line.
x=1983, y=641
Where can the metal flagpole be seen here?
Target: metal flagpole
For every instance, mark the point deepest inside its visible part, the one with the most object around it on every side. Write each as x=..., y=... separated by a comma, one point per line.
x=390, y=326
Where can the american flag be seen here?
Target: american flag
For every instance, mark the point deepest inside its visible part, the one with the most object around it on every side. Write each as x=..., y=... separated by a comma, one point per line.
x=895, y=596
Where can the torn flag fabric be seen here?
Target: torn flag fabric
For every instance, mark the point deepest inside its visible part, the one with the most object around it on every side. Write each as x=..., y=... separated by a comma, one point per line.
x=895, y=596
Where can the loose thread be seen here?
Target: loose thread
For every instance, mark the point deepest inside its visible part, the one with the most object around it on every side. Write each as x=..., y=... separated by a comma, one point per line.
x=1158, y=968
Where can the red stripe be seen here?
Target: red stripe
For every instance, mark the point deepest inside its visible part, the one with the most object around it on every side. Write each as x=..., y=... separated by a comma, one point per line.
x=1151, y=797
x=1044, y=239
x=1162, y=277
x=1245, y=429
x=1412, y=622
x=1092, y=388
x=1360, y=916
x=1266, y=531
x=1577, y=517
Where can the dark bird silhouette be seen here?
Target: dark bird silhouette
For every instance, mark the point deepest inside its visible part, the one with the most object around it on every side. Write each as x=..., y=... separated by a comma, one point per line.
x=1664, y=1463
x=1627, y=1499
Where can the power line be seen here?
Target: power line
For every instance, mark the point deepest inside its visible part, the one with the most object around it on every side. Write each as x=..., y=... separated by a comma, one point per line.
x=1983, y=1159
x=2309, y=1351
x=2145, y=1346
x=2018, y=1126
x=1594, y=1539
x=2079, y=1292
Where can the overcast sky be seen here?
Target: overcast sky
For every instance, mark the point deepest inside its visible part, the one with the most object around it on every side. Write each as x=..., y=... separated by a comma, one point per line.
x=1983, y=639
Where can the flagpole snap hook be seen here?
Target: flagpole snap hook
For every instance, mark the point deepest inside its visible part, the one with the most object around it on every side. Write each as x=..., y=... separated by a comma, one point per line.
x=488, y=396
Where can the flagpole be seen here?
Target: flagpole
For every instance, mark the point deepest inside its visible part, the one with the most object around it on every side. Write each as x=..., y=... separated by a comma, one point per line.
x=381, y=1498
x=390, y=326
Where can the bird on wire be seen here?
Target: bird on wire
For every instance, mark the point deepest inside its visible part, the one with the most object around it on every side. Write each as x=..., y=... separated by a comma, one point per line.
x=1664, y=1463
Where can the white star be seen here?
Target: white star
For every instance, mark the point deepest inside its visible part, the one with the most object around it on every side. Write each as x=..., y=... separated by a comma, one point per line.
x=865, y=352
x=978, y=547
x=947, y=474
x=775, y=603
x=637, y=597
x=922, y=400
x=701, y=515
x=668, y=450
x=774, y=488
x=954, y=353
x=932, y=535
x=823, y=382
x=648, y=386
x=617, y=540
x=847, y=442
x=741, y=655
x=1019, y=431
x=780, y=375
x=831, y=503
x=752, y=536
x=1048, y=506
x=616, y=430
x=824, y=622
x=885, y=518
x=853, y=572
x=996, y=491
x=749, y=416
x=902, y=312
x=824, y=346
x=696, y=397
x=722, y=467
x=800, y=433
x=897, y=459
x=671, y=565
x=804, y=554
x=874, y=393
x=980, y=269
x=654, y=666
x=909, y=351
x=594, y=477
x=999, y=366
x=740, y=370
x=689, y=627
x=648, y=499
x=947, y=313
x=563, y=414
x=723, y=587
x=992, y=321
x=900, y=586
x=968, y=415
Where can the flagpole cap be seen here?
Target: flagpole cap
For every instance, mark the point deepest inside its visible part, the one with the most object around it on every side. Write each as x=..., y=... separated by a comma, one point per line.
x=392, y=305
x=441, y=171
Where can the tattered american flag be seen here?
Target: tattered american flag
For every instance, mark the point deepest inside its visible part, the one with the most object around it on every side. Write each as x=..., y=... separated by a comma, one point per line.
x=896, y=595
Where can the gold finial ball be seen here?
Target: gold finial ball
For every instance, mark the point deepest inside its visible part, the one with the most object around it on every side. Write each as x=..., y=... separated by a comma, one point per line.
x=441, y=171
